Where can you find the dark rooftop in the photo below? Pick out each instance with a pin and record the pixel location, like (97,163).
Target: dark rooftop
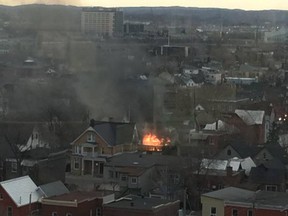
(142,203)
(79,196)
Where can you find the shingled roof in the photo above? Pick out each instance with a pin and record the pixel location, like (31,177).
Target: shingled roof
(115,133)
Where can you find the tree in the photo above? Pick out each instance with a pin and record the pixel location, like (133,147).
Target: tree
(273,136)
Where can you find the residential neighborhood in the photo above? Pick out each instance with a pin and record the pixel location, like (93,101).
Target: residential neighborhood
(159,110)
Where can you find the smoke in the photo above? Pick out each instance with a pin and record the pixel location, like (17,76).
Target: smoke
(107,80)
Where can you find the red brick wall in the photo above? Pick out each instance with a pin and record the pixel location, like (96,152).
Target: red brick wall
(17,211)
(256,212)
(83,209)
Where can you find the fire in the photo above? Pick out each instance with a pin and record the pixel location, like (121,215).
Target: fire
(152,140)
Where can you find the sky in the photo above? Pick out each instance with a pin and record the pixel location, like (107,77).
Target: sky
(231,4)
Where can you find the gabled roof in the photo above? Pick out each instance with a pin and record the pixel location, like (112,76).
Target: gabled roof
(236,164)
(21,189)
(53,189)
(244,150)
(276,151)
(115,133)
(251,117)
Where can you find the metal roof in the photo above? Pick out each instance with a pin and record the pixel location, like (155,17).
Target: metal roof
(53,189)
(22,190)
(251,117)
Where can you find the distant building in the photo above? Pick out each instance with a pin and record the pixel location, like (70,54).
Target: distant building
(134,27)
(240,80)
(174,51)
(279,35)
(102,21)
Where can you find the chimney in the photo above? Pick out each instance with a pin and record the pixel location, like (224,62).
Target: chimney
(131,204)
(229,171)
(92,123)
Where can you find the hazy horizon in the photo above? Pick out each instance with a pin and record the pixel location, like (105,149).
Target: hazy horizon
(228,4)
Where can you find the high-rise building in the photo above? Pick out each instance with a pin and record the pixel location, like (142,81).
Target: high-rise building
(102,21)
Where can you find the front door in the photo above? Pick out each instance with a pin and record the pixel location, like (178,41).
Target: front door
(87,167)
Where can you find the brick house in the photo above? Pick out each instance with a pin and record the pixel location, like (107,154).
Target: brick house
(99,141)
(19,197)
(141,206)
(239,202)
(250,123)
(76,203)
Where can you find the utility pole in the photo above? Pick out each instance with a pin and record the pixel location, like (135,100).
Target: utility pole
(184,202)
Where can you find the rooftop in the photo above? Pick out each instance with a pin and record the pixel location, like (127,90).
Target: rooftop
(78,196)
(21,190)
(142,203)
(53,189)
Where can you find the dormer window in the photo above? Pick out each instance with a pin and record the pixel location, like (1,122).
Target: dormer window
(91,137)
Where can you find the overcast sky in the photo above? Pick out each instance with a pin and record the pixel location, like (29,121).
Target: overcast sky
(232,4)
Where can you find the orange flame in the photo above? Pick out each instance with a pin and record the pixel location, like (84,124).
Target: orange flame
(152,140)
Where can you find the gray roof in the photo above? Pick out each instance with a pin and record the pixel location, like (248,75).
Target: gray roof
(251,117)
(115,133)
(53,189)
(261,199)
(144,160)
(144,203)
(232,194)
(275,199)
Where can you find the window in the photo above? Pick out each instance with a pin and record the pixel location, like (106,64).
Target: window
(134,180)
(77,149)
(123,177)
(68,214)
(271,187)
(250,212)
(54,214)
(76,163)
(264,155)
(91,137)
(14,166)
(213,211)
(98,211)
(229,152)
(9,211)
(1,196)
(234,212)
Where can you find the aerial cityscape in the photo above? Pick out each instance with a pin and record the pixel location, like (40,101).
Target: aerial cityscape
(111,109)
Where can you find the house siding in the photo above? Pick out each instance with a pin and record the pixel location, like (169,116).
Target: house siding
(82,209)
(242,211)
(17,211)
(208,203)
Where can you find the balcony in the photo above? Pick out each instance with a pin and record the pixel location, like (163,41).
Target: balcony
(90,154)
